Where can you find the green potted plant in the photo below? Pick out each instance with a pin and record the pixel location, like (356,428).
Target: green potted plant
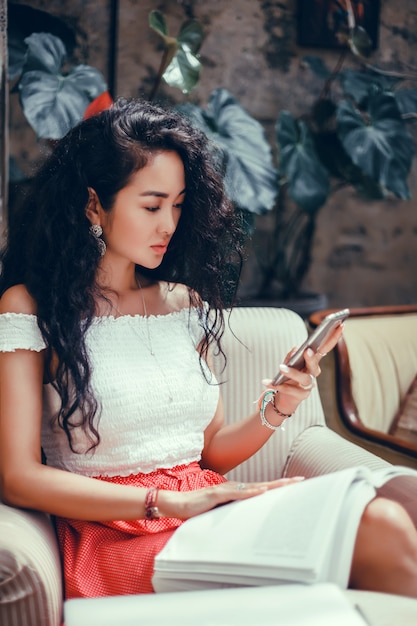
(56,94)
(355,134)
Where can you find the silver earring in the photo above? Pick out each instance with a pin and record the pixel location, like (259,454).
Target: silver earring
(97,231)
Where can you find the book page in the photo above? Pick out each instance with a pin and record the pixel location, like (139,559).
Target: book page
(283,534)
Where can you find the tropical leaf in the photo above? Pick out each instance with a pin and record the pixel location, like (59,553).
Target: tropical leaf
(184,70)
(362,85)
(16,56)
(45,53)
(380,143)
(158,22)
(22,21)
(180,66)
(191,36)
(88,80)
(52,102)
(307,178)
(334,157)
(360,42)
(407,101)
(244,153)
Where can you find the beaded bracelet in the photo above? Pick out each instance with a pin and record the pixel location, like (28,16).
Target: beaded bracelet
(151,510)
(268,397)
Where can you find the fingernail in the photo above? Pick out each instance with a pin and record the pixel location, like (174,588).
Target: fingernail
(298,478)
(284,368)
(266,381)
(309,352)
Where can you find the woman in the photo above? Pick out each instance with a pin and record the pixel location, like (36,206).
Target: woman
(113,284)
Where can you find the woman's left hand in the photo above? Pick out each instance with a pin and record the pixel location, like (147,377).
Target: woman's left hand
(299,384)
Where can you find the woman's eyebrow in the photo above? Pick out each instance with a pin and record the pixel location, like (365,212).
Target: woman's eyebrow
(159,194)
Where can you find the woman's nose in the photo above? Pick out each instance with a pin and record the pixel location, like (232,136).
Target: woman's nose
(168,222)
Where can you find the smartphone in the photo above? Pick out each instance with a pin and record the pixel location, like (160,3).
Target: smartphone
(314,341)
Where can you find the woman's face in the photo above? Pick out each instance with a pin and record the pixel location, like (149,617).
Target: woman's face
(146,212)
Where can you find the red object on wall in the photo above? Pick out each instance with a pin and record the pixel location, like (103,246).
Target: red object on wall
(102,102)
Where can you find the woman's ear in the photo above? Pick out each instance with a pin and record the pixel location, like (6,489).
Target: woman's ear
(93,207)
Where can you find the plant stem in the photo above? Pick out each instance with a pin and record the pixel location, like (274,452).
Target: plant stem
(162,67)
(333,75)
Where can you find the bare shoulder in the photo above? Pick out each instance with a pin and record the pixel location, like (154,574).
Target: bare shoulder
(177,296)
(17,299)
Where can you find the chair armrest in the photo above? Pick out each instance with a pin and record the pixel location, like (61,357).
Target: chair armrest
(30,569)
(319,450)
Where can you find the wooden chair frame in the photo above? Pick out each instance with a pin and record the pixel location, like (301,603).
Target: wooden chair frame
(346,404)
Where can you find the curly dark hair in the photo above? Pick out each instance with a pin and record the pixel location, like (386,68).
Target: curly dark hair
(51,251)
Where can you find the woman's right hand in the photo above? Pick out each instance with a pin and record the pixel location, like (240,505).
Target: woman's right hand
(185,504)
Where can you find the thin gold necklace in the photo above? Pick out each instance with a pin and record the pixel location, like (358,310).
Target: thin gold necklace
(149,335)
(145,311)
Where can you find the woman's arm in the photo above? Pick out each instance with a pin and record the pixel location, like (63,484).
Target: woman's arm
(25,482)
(226,446)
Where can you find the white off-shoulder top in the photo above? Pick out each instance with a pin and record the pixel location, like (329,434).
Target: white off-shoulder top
(154,407)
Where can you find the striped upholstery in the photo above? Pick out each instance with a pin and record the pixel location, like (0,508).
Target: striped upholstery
(30,570)
(388,366)
(320,451)
(256,342)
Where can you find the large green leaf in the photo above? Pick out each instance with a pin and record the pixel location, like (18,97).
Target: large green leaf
(250,177)
(334,157)
(181,67)
(45,53)
(185,68)
(16,56)
(54,103)
(362,85)
(407,101)
(22,21)
(158,22)
(308,180)
(360,42)
(191,35)
(380,143)
(183,71)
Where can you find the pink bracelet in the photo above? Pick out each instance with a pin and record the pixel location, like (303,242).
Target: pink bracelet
(151,510)
(268,397)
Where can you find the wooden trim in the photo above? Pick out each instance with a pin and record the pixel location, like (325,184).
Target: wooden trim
(316,318)
(345,401)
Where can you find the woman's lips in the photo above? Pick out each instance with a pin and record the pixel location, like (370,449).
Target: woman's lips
(160,248)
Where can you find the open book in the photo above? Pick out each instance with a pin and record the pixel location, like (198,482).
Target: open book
(304,532)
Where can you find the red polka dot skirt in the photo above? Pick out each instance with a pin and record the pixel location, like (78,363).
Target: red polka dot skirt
(116,558)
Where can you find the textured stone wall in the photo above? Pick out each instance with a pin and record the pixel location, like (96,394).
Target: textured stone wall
(364,253)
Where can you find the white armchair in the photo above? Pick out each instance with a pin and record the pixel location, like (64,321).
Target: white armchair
(256,341)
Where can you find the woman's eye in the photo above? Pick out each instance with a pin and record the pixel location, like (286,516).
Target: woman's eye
(152,209)
(178,206)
